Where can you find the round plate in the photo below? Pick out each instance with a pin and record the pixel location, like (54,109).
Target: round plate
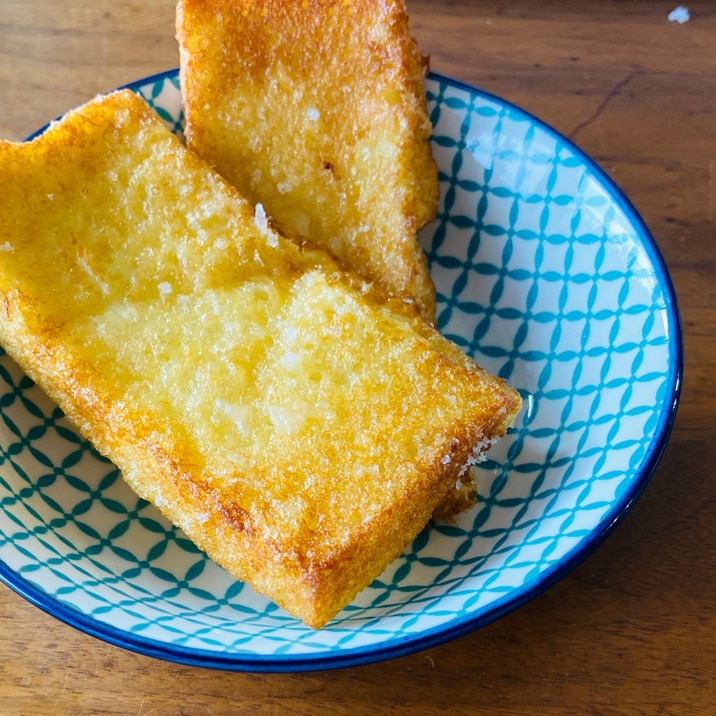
(547,276)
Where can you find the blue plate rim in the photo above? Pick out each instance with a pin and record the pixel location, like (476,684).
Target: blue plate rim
(446,632)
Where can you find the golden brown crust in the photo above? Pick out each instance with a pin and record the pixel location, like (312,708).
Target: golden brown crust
(299,424)
(317,110)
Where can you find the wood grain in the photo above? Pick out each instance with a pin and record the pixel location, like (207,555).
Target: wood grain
(633,629)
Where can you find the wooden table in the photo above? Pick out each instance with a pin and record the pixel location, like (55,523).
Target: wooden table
(633,629)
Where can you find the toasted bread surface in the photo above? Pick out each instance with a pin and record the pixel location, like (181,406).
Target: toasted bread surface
(317,110)
(297,422)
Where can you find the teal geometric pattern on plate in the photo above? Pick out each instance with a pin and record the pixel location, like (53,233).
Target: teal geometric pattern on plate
(546,276)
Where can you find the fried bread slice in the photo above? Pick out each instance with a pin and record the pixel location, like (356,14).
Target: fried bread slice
(297,422)
(317,110)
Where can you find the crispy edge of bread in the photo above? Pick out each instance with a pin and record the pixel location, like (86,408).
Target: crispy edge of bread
(327,48)
(158,463)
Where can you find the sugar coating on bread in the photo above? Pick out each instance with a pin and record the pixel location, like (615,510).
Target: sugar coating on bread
(317,110)
(297,422)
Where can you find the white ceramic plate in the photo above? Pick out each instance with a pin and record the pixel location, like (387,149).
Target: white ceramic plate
(547,276)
